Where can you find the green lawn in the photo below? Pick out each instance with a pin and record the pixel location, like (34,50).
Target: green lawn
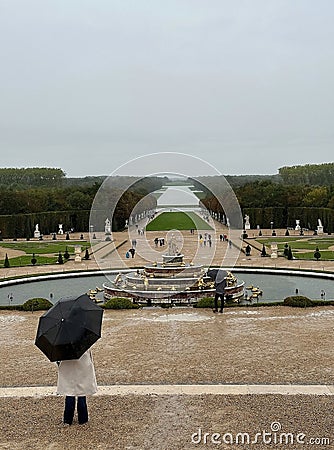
(177,221)
(299,244)
(40,247)
(20,261)
(325,255)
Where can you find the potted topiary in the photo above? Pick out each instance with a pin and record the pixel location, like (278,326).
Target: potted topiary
(66,254)
(317,254)
(60,259)
(6,263)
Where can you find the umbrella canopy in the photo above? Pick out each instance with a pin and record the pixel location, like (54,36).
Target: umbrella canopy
(217,274)
(69,328)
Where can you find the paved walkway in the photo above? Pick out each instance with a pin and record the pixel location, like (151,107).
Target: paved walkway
(108,258)
(181,389)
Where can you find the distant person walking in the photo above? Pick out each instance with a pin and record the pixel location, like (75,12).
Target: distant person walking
(76,378)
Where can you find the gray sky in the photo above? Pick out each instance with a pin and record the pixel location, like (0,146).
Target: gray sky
(88,85)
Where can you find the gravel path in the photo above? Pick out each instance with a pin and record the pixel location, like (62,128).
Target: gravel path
(187,346)
(167,422)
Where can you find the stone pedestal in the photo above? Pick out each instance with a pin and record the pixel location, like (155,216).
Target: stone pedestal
(274,251)
(77,253)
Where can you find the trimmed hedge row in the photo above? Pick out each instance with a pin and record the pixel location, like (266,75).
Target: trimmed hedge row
(286,217)
(33,304)
(23,225)
(120,303)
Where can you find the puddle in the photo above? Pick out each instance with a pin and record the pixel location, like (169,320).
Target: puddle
(183,317)
(5,320)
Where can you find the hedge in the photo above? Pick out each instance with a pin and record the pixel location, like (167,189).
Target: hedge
(283,217)
(119,303)
(298,301)
(37,304)
(23,225)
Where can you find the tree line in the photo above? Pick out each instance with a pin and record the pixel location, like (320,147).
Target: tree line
(48,205)
(309,174)
(279,202)
(21,178)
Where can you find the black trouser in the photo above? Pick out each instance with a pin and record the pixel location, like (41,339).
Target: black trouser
(217,296)
(70,407)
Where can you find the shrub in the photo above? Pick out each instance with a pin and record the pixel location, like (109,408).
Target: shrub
(36,304)
(317,254)
(263,252)
(323,302)
(11,307)
(120,303)
(86,257)
(66,255)
(33,259)
(298,301)
(6,263)
(60,259)
(205,302)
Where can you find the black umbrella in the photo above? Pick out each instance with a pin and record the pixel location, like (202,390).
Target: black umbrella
(217,274)
(69,328)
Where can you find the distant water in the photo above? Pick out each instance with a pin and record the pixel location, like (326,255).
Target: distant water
(178,196)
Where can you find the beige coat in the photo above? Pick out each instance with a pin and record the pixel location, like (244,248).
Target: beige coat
(76,377)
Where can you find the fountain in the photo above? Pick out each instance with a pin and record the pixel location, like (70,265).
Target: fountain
(171,281)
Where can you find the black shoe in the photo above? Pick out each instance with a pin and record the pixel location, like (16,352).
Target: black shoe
(221,311)
(215,310)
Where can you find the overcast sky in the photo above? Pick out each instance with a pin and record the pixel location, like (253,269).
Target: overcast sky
(86,85)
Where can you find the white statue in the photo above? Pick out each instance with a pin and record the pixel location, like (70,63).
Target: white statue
(297,227)
(107,226)
(247,224)
(320,228)
(37,233)
(60,226)
(172,247)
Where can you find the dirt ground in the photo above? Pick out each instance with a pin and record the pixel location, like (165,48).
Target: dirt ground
(177,346)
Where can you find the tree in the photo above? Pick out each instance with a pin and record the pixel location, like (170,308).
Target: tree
(6,263)
(60,259)
(66,255)
(263,252)
(317,254)
(33,259)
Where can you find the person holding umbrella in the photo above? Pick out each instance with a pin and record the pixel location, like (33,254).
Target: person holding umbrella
(76,378)
(65,334)
(219,276)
